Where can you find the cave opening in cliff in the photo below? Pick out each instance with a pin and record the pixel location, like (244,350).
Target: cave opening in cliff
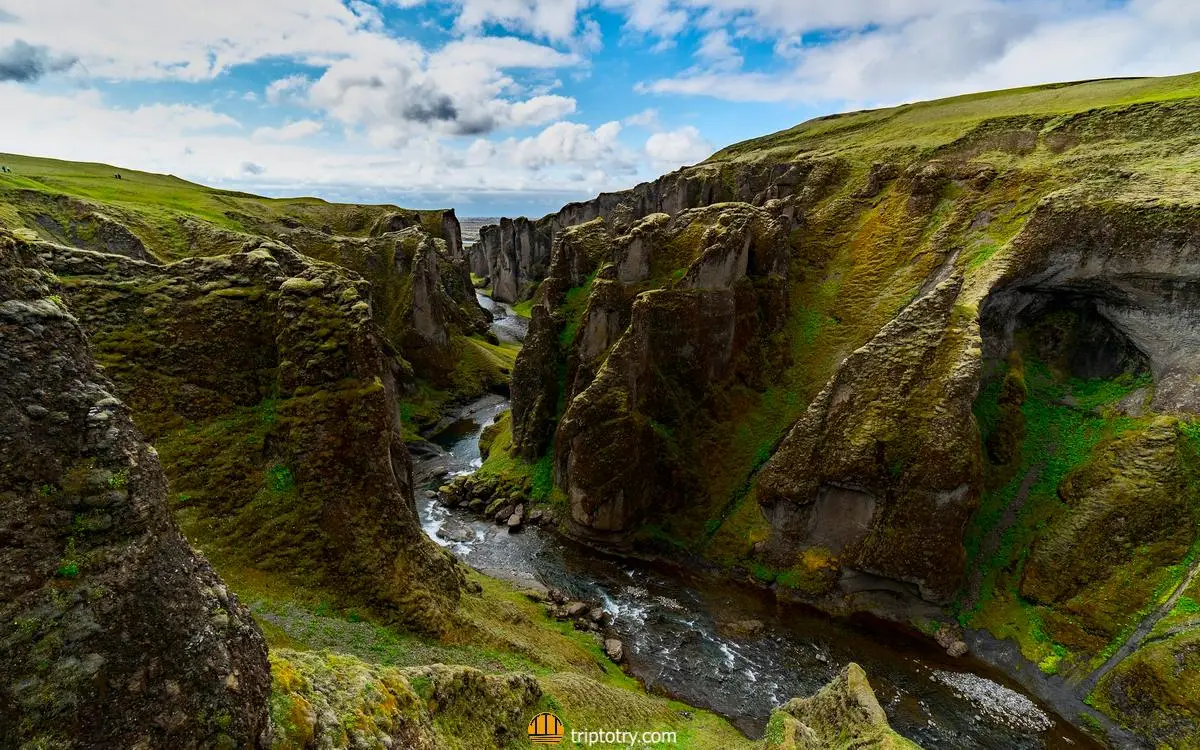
(1074,339)
(1052,350)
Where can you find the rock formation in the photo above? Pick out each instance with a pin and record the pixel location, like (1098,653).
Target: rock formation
(642,351)
(875,472)
(115,632)
(842,715)
(516,253)
(330,700)
(272,395)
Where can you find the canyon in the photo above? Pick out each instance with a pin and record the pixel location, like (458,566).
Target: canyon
(936,366)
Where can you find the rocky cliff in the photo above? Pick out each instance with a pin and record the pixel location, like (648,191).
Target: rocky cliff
(115,632)
(976,389)
(421,288)
(646,329)
(271,394)
(515,254)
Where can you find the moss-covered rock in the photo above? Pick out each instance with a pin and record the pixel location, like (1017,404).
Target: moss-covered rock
(272,396)
(329,700)
(842,715)
(632,337)
(115,632)
(1153,692)
(1132,515)
(881,471)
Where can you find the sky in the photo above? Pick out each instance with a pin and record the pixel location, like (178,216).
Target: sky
(510,107)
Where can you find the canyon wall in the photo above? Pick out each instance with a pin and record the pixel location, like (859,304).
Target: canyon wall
(971,399)
(116,632)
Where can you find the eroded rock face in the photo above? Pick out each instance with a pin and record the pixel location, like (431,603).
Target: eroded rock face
(637,366)
(420,290)
(516,253)
(81,224)
(882,472)
(271,393)
(842,715)
(1138,265)
(115,632)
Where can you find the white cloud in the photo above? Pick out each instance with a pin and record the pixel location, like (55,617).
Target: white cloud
(551,19)
(895,52)
(293,131)
(288,89)
(540,110)
(717,49)
(176,39)
(566,160)
(678,148)
(569,143)
(647,118)
(462,89)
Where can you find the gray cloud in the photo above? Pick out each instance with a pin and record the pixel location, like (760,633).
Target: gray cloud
(424,104)
(404,100)
(25,63)
(252,168)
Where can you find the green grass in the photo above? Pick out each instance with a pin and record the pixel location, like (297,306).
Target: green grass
(153,206)
(497,631)
(1057,439)
(524,309)
(928,125)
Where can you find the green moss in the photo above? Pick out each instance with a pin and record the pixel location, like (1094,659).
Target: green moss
(525,309)
(572,309)
(1041,430)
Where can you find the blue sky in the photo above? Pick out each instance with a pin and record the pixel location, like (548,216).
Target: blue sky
(515,106)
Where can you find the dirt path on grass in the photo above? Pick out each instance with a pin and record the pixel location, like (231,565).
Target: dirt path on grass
(1138,637)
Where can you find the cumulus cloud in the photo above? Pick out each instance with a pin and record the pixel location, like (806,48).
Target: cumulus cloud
(552,19)
(569,143)
(292,131)
(289,89)
(456,91)
(25,63)
(570,162)
(885,53)
(677,148)
(717,49)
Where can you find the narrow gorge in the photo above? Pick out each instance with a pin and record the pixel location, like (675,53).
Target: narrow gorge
(881,432)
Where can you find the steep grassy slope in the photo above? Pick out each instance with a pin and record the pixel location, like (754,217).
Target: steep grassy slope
(1036,248)
(173,218)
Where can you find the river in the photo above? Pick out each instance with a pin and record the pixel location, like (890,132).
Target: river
(674,624)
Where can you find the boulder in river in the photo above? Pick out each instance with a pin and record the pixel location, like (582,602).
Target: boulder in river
(576,609)
(950,638)
(516,518)
(614,649)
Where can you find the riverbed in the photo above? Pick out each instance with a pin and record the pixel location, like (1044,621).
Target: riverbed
(684,631)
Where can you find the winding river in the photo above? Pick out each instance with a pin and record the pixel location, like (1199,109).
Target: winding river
(675,625)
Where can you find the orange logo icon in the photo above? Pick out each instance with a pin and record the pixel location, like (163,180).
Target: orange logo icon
(546,729)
